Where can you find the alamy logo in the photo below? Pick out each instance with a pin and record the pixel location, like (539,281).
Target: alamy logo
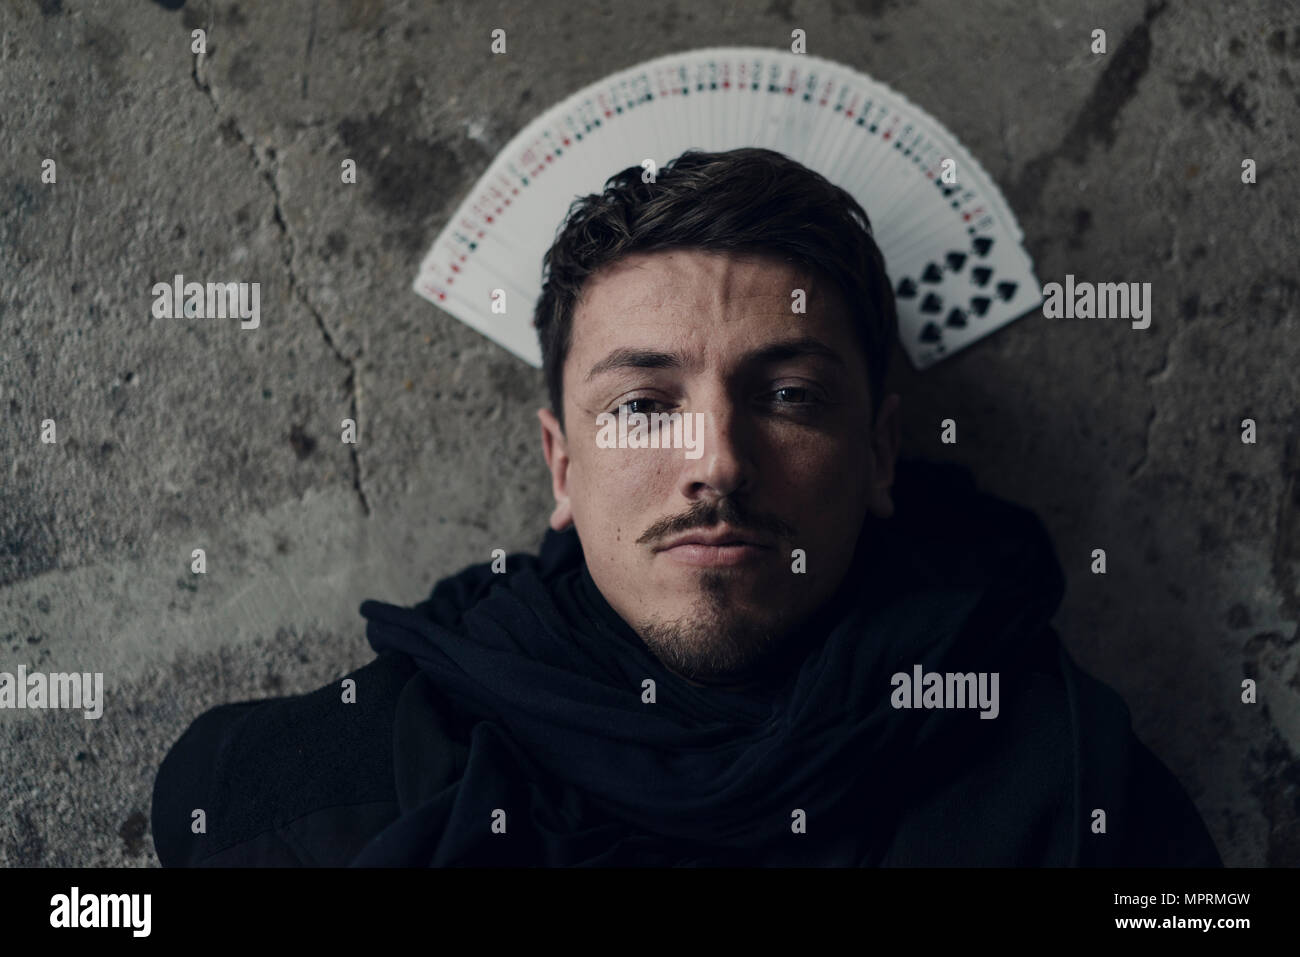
(654,430)
(102,910)
(56,690)
(1104,300)
(214,300)
(933,689)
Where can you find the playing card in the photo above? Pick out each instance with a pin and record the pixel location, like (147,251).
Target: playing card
(952,250)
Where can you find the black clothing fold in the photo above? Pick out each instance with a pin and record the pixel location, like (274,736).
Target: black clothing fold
(520,735)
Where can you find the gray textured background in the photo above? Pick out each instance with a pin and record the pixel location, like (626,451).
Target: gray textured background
(175,435)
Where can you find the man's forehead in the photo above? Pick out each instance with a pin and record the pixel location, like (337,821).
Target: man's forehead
(669,277)
(689,294)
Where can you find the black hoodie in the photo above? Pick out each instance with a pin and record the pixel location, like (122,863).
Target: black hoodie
(507,721)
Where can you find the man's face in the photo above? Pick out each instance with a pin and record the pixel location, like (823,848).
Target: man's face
(790,459)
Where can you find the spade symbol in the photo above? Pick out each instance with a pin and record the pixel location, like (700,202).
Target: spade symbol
(931,303)
(980,305)
(983,244)
(932,273)
(981,275)
(931,333)
(906,289)
(956,261)
(956,319)
(1006,290)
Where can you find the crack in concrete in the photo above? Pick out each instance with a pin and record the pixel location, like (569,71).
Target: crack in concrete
(1097,118)
(1158,374)
(1141,463)
(1163,372)
(1155,375)
(269,169)
(1286,545)
(311,38)
(1173,243)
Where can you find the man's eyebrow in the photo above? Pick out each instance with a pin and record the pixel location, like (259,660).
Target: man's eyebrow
(635,359)
(628,358)
(794,349)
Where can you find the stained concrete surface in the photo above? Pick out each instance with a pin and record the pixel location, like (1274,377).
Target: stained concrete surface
(1121,167)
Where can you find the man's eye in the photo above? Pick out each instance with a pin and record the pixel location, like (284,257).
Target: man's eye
(792,395)
(630,404)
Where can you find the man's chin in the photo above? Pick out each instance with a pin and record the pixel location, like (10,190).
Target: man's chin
(751,590)
(711,648)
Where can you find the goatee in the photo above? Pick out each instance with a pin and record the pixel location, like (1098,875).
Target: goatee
(715,643)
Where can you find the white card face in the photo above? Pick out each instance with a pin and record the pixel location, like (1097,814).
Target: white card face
(963,295)
(952,249)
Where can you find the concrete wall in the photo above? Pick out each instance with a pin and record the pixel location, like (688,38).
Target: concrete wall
(171,436)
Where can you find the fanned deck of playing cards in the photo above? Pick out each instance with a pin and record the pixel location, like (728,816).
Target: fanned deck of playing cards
(952,249)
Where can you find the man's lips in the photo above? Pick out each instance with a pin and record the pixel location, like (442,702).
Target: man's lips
(713,548)
(713,538)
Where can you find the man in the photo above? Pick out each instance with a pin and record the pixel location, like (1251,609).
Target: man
(748,638)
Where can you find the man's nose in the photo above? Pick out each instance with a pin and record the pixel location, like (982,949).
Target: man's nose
(725,464)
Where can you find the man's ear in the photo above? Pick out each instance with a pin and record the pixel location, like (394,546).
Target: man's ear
(557,460)
(886,439)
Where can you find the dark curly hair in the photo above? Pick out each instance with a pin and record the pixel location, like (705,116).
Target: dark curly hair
(747,199)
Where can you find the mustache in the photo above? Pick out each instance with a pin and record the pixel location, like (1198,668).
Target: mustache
(709,514)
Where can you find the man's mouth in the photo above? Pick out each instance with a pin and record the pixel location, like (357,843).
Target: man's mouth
(713,547)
